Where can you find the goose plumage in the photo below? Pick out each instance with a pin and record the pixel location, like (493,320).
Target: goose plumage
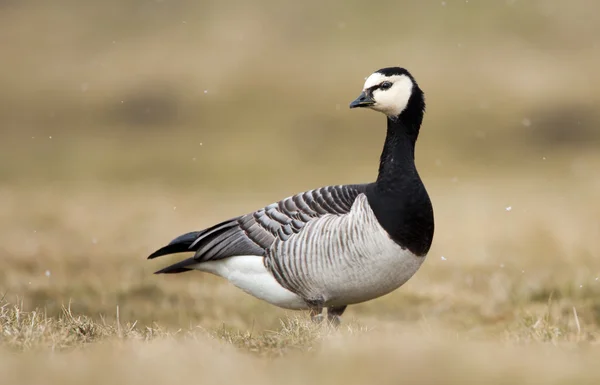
(337,245)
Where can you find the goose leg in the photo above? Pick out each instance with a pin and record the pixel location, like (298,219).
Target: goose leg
(334,315)
(316,309)
(316,315)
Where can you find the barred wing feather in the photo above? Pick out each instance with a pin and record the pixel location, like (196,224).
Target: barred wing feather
(255,233)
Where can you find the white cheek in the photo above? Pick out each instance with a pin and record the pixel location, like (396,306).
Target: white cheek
(394,100)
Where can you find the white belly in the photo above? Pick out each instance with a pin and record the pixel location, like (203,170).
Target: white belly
(248,273)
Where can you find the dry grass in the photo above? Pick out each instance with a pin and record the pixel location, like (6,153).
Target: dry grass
(298,353)
(513,301)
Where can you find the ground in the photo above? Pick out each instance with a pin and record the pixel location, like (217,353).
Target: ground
(508,291)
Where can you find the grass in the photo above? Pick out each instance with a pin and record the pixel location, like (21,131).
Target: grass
(514,300)
(69,349)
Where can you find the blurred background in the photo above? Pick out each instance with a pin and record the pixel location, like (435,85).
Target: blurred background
(126,123)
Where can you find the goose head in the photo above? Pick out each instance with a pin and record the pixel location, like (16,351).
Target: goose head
(390,91)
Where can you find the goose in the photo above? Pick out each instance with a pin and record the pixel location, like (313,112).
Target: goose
(337,245)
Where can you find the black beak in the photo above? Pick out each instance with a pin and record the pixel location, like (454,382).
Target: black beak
(363,100)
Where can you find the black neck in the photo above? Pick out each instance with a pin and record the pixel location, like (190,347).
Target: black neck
(397,161)
(398,197)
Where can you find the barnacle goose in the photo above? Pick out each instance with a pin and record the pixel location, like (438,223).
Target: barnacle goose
(336,245)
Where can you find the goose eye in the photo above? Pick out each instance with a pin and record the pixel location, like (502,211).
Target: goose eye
(385,85)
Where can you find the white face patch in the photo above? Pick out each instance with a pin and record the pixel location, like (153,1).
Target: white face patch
(393,100)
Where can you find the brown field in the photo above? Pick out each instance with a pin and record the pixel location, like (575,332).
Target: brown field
(126,123)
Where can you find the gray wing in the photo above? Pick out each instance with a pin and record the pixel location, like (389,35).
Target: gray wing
(255,233)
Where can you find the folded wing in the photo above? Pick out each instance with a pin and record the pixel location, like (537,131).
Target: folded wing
(254,233)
